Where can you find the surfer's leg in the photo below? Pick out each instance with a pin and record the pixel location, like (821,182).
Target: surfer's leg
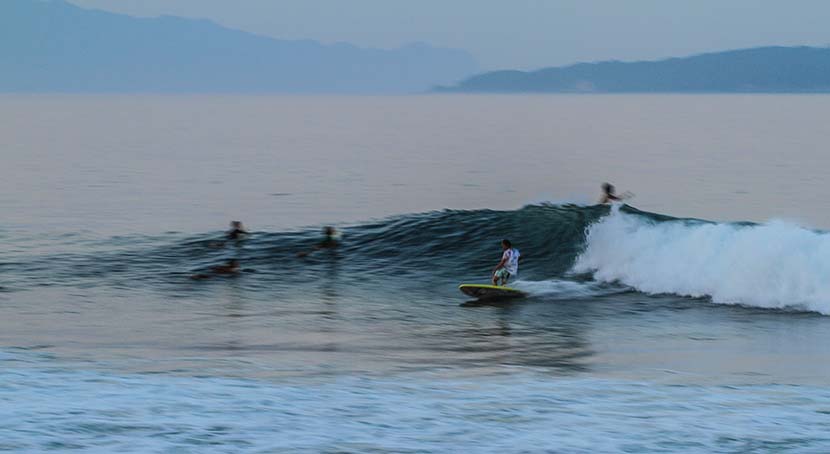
(497,276)
(500,274)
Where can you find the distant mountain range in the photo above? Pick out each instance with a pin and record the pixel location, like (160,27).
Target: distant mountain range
(53,46)
(763,69)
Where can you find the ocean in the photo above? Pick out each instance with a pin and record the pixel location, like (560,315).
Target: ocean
(691,318)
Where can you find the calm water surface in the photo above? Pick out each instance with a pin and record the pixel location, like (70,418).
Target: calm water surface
(692,320)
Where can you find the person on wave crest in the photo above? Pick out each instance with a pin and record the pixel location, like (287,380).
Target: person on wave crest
(609,194)
(508,266)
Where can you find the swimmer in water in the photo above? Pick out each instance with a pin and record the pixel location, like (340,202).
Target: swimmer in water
(329,241)
(609,194)
(237,231)
(230,268)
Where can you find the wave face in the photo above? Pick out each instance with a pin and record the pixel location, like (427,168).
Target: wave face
(447,246)
(773,265)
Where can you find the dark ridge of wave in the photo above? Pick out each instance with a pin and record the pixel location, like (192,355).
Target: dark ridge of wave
(452,244)
(549,237)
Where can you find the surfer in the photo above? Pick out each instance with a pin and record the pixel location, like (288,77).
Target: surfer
(230,268)
(508,266)
(237,231)
(609,194)
(329,241)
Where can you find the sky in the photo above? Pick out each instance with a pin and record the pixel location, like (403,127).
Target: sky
(517,34)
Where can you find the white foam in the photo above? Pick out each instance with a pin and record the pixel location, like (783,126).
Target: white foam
(773,265)
(563,288)
(57,409)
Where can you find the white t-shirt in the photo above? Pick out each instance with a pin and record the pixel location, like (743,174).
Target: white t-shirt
(511,261)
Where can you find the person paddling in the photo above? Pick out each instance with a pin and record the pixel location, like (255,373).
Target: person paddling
(329,241)
(229,269)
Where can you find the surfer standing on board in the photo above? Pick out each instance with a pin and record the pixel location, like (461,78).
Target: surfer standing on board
(609,194)
(508,266)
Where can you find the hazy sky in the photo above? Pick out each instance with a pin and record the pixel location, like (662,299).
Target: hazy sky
(518,33)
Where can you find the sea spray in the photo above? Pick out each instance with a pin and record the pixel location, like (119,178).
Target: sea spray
(772,265)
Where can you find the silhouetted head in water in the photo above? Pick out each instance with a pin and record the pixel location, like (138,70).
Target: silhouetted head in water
(237,231)
(506,244)
(608,189)
(329,237)
(329,241)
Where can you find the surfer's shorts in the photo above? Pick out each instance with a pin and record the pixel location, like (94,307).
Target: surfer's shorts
(502,273)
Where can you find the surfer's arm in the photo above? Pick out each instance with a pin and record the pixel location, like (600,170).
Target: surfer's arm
(500,265)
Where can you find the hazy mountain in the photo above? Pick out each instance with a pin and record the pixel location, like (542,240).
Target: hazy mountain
(763,69)
(51,45)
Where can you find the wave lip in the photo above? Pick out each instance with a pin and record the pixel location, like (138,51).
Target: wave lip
(772,265)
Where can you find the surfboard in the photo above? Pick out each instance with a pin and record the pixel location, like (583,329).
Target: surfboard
(490,292)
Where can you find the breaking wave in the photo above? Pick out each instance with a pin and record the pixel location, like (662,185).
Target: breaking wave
(568,251)
(772,265)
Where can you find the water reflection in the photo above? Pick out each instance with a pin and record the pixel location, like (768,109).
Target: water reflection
(535,332)
(329,282)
